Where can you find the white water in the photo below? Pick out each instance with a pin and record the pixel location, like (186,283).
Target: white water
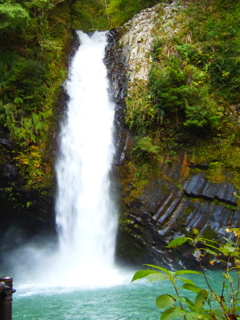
(86,215)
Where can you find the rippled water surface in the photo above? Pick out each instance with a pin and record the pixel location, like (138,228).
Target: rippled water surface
(133,301)
(126,301)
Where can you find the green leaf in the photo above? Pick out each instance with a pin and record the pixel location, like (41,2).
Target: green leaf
(157,277)
(183,300)
(192,288)
(142,274)
(18,100)
(215,248)
(186,280)
(206,241)
(178,242)
(28,204)
(188,302)
(195,231)
(200,299)
(229,241)
(194,316)
(165,301)
(187,272)
(172,313)
(160,268)
(209,251)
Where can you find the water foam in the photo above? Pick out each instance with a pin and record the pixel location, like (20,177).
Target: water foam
(86,215)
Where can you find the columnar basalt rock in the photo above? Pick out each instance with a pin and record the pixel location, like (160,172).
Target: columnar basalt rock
(170,205)
(163,212)
(117,80)
(139,35)
(137,44)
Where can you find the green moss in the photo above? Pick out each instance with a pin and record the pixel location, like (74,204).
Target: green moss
(187,210)
(209,233)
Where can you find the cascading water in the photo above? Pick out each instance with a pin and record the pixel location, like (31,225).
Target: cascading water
(85,213)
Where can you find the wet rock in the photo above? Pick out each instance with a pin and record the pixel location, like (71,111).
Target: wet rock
(164,212)
(9,171)
(117,79)
(229,195)
(6,142)
(199,187)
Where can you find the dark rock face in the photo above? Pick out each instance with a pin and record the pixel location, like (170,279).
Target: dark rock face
(117,79)
(169,206)
(116,75)
(199,187)
(164,212)
(23,214)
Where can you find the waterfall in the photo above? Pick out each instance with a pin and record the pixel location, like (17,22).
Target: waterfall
(86,216)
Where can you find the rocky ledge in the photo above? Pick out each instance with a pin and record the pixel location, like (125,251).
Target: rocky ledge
(164,212)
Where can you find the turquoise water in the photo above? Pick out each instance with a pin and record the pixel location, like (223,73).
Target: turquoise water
(127,301)
(133,301)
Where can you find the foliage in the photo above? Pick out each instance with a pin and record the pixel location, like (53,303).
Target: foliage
(191,101)
(31,162)
(90,15)
(194,75)
(207,303)
(222,155)
(218,34)
(120,11)
(146,148)
(134,181)
(13,16)
(140,113)
(181,85)
(34,35)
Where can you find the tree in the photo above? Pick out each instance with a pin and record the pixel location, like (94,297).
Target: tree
(13,16)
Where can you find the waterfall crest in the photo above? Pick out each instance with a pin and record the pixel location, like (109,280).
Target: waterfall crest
(86,216)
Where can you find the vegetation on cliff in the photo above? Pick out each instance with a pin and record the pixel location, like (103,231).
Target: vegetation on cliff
(191,103)
(35,40)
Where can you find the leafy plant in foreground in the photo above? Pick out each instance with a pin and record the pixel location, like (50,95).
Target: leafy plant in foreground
(207,303)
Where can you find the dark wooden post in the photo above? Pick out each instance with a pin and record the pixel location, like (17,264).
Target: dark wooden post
(6,291)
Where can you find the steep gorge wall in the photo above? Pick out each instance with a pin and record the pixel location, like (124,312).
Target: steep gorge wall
(173,201)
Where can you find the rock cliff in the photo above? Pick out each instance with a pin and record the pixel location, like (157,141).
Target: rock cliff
(174,199)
